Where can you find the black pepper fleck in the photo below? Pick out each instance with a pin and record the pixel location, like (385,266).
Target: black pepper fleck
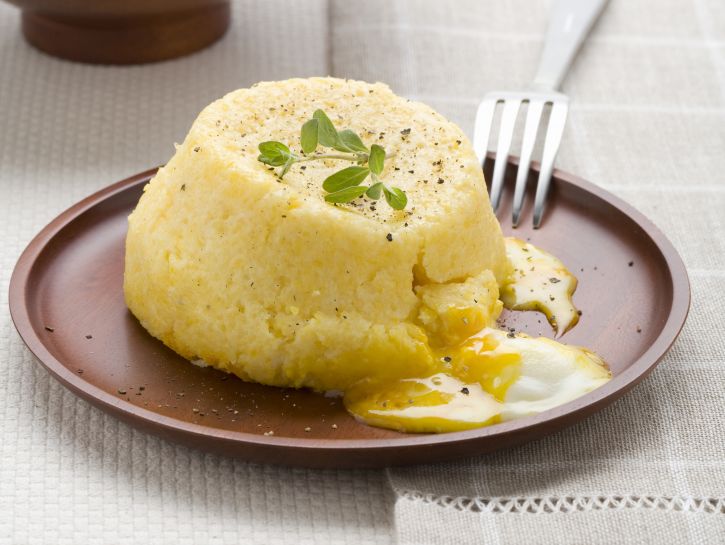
(389,236)
(464,391)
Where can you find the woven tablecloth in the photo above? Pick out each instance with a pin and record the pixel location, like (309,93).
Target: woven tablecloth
(647,122)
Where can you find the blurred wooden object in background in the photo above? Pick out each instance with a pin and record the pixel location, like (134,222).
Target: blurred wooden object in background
(123,31)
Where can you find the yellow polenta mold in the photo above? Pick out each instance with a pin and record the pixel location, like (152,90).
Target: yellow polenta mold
(266,280)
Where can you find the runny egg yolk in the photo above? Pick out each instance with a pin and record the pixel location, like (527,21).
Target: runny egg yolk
(492,375)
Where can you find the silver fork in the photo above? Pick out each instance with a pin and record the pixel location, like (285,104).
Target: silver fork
(571,21)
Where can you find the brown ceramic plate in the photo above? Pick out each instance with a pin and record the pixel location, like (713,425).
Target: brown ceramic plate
(67,303)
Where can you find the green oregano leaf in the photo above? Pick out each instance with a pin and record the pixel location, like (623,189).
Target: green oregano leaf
(327,134)
(395,197)
(352,141)
(274,153)
(376,161)
(374,191)
(308,136)
(346,195)
(347,177)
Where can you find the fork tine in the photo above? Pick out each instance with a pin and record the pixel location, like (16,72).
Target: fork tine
(554,132)
(482,128)
(533,118)
(508,121)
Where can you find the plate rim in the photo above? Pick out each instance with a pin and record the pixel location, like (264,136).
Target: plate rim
(150,420)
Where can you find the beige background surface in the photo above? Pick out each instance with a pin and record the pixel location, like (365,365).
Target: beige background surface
(647,122)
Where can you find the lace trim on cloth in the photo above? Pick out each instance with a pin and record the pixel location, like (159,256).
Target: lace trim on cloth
(568,504)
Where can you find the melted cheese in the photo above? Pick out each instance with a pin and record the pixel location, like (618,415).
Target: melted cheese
(492,377)
(437,403)
(484,375)
(540,282)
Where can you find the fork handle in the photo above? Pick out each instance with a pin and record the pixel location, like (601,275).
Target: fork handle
(571,21)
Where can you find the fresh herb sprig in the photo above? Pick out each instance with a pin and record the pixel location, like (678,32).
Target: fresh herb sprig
(344,185)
